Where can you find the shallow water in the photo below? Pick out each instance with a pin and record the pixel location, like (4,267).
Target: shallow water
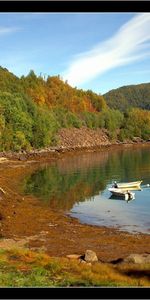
(79,186)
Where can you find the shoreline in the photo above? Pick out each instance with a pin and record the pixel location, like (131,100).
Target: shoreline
(56,152)
(25,218)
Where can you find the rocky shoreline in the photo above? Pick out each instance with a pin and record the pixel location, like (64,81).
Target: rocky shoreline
(71,141)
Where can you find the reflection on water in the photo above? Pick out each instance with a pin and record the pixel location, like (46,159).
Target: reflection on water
(113,197)
(70,180)
(80,185)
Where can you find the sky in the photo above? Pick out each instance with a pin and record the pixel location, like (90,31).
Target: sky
(96,51)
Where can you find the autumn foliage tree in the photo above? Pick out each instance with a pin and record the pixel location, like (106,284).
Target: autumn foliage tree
(33,109)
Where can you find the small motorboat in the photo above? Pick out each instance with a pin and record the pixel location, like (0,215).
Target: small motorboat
(122,193)
(126,185)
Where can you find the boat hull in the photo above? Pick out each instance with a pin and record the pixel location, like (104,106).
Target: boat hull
(130,185)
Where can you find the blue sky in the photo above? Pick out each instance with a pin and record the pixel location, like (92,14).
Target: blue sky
(97,51)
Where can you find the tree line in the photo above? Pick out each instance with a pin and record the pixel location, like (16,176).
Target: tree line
(32,110)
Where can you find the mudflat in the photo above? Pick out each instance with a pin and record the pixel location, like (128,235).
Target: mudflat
(27,222)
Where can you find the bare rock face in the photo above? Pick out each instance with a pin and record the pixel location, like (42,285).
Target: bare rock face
(138,258)
(90,256)
(82,137)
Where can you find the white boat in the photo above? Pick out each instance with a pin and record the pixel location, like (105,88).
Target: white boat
(126,185)
(121,193)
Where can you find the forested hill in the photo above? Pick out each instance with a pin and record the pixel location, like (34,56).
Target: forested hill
(129,96)
(34,109)
(52,92)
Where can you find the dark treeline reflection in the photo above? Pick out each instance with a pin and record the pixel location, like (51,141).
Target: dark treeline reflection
(79,178)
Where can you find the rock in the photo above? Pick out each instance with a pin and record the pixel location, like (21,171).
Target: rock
(137,139)
(90,256)
(83,261)
(22,158)
(3,159)
(2,191)
(137,258)
(73,256)
(86,263)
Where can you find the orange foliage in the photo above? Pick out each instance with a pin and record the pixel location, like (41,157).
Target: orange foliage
(54,92)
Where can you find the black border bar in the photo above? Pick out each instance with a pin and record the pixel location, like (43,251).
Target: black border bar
(74,6)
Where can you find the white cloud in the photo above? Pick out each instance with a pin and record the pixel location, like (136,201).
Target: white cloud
(126,46)
(6,30)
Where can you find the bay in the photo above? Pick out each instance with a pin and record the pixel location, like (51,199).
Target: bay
(78,185)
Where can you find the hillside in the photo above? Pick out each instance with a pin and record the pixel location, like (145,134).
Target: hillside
(33,110)
(129,96)
(9,82)
(55,93)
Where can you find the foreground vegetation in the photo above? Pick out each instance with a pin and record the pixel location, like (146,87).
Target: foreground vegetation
(24,268)
(33,109)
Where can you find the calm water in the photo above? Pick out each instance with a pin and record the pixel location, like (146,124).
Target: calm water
(79,185)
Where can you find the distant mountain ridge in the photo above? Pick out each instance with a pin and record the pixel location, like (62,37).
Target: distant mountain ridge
(129,96)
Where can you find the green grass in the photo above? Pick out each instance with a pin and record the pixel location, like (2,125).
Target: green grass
(24,268)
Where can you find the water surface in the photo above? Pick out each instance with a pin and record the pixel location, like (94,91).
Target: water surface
(79,185)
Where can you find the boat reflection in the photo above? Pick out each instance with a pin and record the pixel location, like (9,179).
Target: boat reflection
(114,197)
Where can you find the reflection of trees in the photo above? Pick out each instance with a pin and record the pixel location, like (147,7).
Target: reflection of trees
(82,177)
(63,190)
(82,161)
(131,163)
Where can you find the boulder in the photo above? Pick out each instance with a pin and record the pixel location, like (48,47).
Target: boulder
(90,256)
(85,262)
(73,256)
(22,158)
(137,258)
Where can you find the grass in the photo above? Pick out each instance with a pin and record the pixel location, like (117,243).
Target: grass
(25,268)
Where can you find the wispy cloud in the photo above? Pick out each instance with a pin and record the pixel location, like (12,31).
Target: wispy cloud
(129,44)
(6,30)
